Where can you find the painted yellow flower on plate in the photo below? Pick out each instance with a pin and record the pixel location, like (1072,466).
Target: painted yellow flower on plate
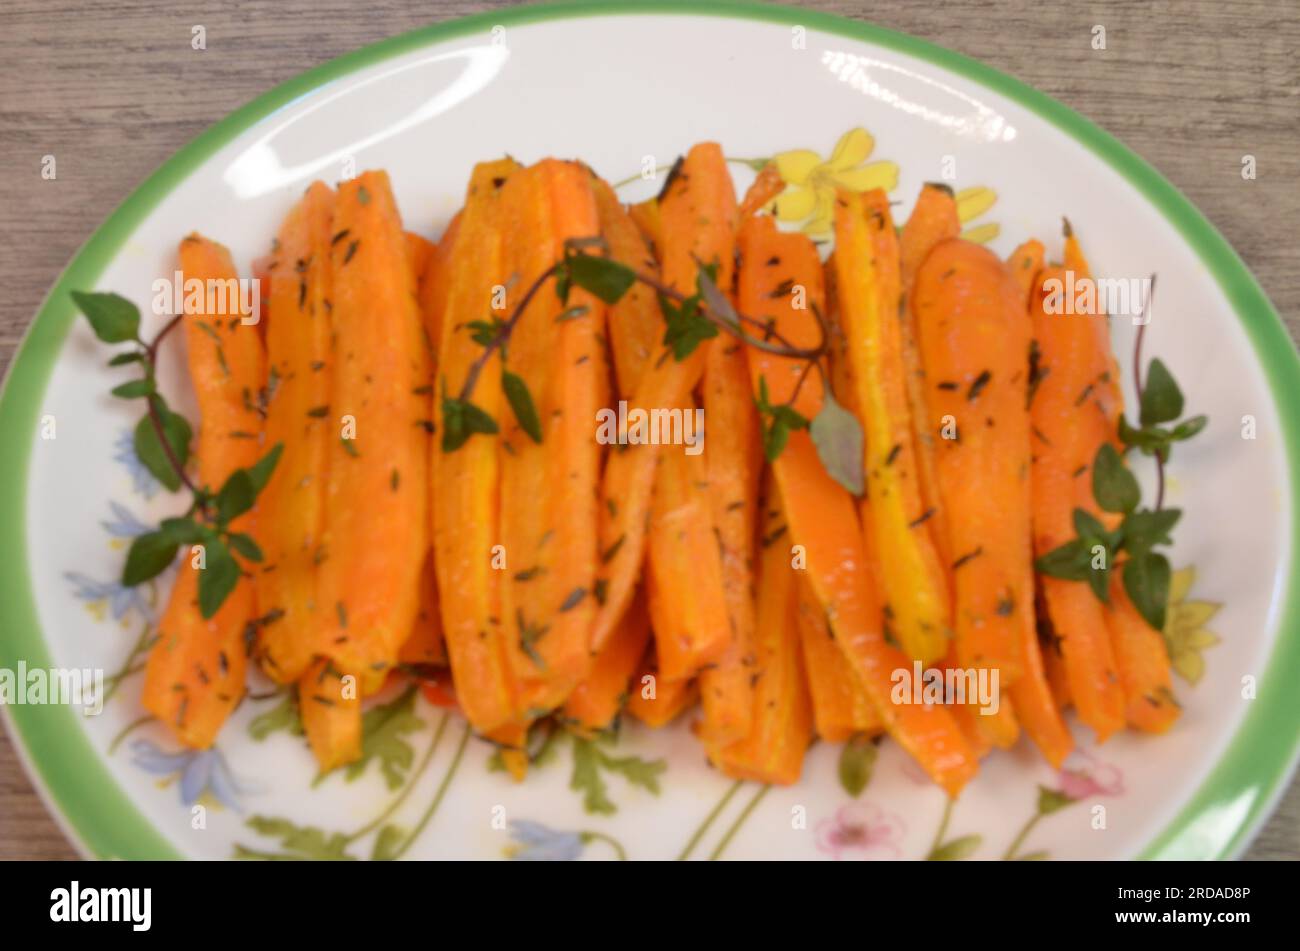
(811,181)
(1185,632)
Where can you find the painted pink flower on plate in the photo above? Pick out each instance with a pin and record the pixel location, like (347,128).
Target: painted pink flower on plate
(859,831)
(1083,776)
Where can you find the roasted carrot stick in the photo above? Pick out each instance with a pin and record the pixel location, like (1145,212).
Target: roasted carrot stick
(974,344)
(549,489)
(822,515)
(376,509)
(697,214)
(635,324)
(425,645)
(913,579)
(1025,263)
(434,281)
(774,748)
(194,676)
(656,702)
(299,358)
(933,219)
(763,189)
(687,609)
(597,700)
(840,706)
(331,715)
(1143,661)
(419,251)
(645,215)
(1073,414)
(465,512)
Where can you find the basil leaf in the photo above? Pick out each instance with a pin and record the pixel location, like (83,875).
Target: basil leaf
(1069,562)
(1189,428)
(217,579)
(260,472)
(521,404)
(149,448)
(245,546)
(122,359)
(838,437)
(235,497)
(462,419)
(1146,580)
(606,278)
(113,318)
(1144,529)
(133,389)
(1087,525)
(1114,487)
(1162,401)
(149,556)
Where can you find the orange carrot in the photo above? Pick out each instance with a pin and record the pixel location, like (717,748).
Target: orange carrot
(419,252)
(933,219)
(688,612)
(913,579)
(548,498)
(840,706)
(656,702)
(434,282)
(697,215)
(331,715)
(597,700)
(774,748)
(424,646)
(767,186)
(1143,664)
(1073,413)
(822,516)
(299,360)
(194,677)
(635,324)
(1025,263)
(973,340)
(465,512)
(645,215)
(376,508)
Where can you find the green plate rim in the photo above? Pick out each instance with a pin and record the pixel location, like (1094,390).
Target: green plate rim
(103,822)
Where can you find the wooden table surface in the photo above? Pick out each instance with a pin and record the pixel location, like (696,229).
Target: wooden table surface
(113,91)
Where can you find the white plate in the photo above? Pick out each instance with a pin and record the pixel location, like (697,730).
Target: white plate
(613,87)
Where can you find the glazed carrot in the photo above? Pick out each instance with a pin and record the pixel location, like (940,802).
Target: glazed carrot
(656,702)
(763,189)
(822,515)
(194,676)
(419,251)
(597,700)
(549,501)
(773,750)
(733,459)
(465,513)
(645,215)
(973,341)
(331,715)
(376,508)
(913,578)
(434,281)
(424,646)
(299,362)
(687,609)
(933,219)
(635,324)
(1143,661)
(1073,413)
(1025,263)
(697,215)
(840,706)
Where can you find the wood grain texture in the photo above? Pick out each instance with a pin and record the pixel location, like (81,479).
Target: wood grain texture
(113,91)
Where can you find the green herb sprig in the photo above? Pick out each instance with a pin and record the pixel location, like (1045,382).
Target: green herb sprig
(162,443)
(689,320)
(1132,546)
